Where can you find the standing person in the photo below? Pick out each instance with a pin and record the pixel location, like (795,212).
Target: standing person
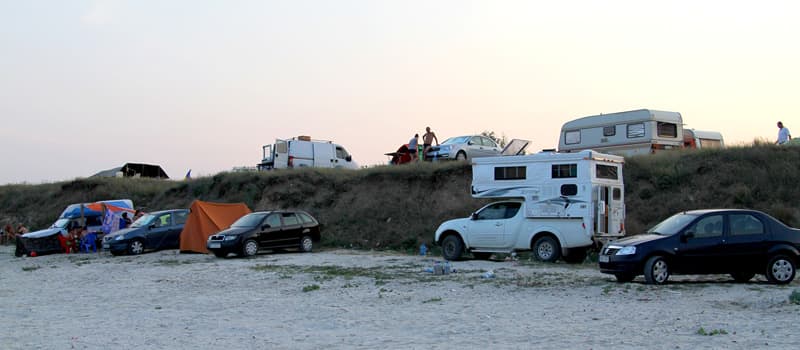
(412,147)
(783,134)
(21,229)
(427,139)
(124,221)
(137,215)
(8,233)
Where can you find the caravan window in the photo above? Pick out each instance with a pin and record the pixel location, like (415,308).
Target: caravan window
(561,171)
(606,172)
(509,173)
(667,129)
(609,130)
(569,190)
(572,137)
(635,130)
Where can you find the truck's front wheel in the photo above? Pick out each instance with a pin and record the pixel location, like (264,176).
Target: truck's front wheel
(547,249)
(452,247)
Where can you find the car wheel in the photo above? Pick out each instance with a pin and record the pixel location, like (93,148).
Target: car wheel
(482,255)
(136,247)
(452,247)
(742,277)
(575,256)
(547,249)
(461,155)
(656,270)
(220,254)
(249,248)
(624,277)
(306,244)
(780,269)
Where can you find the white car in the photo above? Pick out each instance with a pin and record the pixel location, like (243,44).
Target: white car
(464,148)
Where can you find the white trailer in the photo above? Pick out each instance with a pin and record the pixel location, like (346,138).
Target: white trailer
(557,205)
(302,151)
(702,139)
(628,133)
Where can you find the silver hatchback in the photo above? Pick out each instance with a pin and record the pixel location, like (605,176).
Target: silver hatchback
(464,147)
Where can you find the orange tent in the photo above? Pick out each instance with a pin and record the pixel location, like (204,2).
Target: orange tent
(206,219)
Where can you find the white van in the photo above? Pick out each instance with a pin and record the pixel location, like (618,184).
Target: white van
(302,151)
(642,131)
(557,205)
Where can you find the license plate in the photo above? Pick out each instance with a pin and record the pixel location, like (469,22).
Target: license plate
(106,246)
(214,245)
(603,258)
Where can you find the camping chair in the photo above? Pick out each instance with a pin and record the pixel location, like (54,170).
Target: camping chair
(89,241)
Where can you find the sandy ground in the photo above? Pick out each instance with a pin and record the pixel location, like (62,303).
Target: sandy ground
(369,300)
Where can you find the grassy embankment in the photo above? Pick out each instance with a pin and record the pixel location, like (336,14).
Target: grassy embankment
(398,207)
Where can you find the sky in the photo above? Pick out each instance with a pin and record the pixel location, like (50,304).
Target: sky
(195,84)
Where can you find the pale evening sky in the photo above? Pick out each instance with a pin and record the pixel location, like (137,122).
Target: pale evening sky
(90,85)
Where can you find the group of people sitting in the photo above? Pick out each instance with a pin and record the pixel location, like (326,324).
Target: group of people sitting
(76,238)
(9,235)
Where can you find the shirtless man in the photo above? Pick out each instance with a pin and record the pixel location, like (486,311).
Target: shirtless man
(426,141)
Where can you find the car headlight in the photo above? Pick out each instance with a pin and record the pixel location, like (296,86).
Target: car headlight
(229,238)
(119,237)
(626,250)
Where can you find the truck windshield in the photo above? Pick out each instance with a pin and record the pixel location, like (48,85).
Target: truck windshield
(672,225)
(61,223)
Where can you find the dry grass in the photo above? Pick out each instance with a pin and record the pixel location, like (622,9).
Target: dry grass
(399,207)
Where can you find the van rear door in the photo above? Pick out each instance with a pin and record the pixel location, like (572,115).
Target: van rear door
(280,154)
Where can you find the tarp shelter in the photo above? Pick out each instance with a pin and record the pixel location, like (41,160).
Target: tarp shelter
(206,219)
(135,170)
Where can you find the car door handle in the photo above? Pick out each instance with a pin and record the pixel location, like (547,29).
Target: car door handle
(498,224)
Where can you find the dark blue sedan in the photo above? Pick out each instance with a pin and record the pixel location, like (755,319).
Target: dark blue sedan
(741,243)
(156,230)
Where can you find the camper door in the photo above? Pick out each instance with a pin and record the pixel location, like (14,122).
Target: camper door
(609,210)
(280,154)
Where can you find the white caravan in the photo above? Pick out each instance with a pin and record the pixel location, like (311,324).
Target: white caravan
(302,151)
(629,133)
(557,205)
(702,139)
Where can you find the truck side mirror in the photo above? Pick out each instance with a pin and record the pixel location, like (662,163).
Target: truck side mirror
(474,216)
(348,158)
(265,226)
(686,235)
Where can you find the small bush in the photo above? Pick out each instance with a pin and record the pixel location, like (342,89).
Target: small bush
(310,288)
(794,298)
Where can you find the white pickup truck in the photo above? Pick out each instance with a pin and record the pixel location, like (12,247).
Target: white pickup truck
(556,204)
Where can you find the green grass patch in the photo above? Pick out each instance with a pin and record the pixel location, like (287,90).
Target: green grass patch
(310,288)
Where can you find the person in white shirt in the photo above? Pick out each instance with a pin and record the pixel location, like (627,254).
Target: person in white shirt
(783,134)
(412,147)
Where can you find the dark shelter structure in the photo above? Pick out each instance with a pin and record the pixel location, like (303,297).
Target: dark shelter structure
(135,170)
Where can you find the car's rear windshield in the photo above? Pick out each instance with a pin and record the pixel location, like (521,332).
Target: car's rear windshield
(452,140)
(250,220)
(672,225)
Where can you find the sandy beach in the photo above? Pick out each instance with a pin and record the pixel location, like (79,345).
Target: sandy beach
(367,300)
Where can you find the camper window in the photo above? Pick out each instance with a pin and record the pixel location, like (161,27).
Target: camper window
(569,190)
(667,129)
(617,194)
(509,173)
(606,172)
(635,130)
(561,171)
(572,137)
(610,130)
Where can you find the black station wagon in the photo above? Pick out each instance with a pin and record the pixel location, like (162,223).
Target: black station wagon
(266,230)
(741,243)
